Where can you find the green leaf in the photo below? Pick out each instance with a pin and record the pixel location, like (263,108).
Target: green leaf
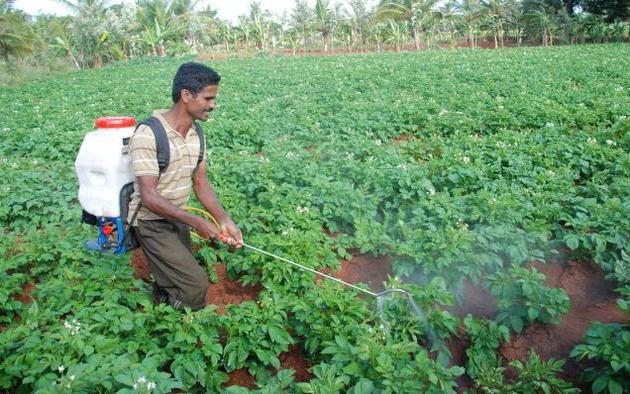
(124,379)
(88,350)
(614,387)
(517,323)
(572,241)
(600,384)
(532,313)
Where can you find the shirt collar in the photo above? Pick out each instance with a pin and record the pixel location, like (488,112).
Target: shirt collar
(169,129)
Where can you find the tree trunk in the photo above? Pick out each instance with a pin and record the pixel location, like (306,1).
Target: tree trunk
(416,38)
(332,43)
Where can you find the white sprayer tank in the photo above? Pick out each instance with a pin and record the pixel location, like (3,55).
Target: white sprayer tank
(103,165)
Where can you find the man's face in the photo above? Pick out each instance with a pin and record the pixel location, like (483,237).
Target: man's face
(202,104)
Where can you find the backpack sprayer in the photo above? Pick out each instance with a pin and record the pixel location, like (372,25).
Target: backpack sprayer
(106,178)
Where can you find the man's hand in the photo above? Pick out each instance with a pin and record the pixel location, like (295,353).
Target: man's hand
(234,237)
(209,231)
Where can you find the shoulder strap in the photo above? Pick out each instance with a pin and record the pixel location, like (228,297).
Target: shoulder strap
(162,150)
(202,143)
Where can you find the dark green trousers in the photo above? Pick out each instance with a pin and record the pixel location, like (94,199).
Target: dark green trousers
(168,249)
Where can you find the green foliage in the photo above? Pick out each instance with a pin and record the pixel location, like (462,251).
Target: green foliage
(485,338)
(534,376)
(523,298)
(610,345)
(537,376)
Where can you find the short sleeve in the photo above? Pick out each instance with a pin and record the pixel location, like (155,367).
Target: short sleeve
(143,152)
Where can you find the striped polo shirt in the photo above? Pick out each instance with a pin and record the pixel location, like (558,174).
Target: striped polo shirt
(176,181)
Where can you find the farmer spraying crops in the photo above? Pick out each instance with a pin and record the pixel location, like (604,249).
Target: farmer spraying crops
(162,184)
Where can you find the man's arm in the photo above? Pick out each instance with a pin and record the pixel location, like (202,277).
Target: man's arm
(156,203)
(208,198)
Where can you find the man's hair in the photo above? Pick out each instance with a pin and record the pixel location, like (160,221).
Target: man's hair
(193,77)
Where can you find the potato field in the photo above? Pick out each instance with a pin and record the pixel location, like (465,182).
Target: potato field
(493,185)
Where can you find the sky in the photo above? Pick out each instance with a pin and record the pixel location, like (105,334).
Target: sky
(227,9)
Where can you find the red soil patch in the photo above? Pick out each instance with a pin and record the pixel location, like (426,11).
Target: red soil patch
(457,345)
(226,291)
(25,297)
(241,377)
(592,299)
(140,266)
(364,268)
(223,293)
(401,139)
(475,300)
(294,359)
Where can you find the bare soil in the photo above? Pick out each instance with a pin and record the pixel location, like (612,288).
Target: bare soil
(241,377)
(364,268)
(140,266)
(294,359)
(475,300)
(592,299)
(25,297)
(226,292)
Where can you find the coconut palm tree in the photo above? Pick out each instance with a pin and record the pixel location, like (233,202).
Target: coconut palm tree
(469,13)
(419,14)
(16,36)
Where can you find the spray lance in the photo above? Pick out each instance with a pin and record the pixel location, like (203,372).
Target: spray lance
(410,301)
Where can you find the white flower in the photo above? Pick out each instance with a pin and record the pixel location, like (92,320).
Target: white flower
(73,326)
(61,368)
(402,166)
(619,89)
(135,386)
(611,142)
(591,140)
(378,142)
(6,129)
(72,377)
(443,111)
(301,210)
(142,380)
(431,192)
(549,124)
(550,173)
(151,386)
(466,159)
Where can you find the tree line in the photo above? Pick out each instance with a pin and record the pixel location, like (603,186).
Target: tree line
(98,32)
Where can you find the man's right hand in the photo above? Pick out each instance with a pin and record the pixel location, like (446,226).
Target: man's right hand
(209,231)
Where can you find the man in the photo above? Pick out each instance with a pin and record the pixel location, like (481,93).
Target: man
(162,225)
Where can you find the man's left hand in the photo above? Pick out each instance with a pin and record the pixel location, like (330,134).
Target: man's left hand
(233,233)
